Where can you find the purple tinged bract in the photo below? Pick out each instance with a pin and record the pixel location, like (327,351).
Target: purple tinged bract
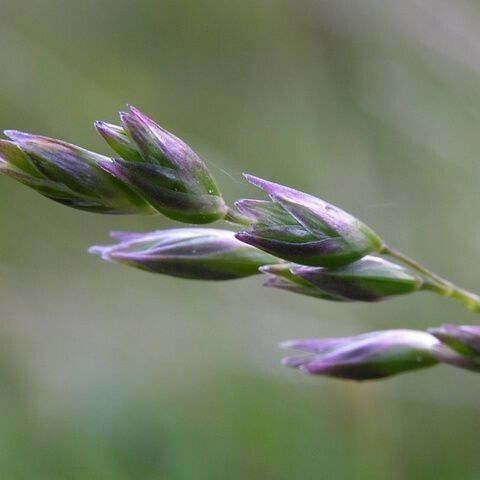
(118,140)
(162,169)
(281,276)
(303,229)
(195,253)
(464,339)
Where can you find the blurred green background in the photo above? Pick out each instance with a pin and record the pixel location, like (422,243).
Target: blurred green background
(111,373)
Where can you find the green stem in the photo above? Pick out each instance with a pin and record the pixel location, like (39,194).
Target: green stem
(438,284)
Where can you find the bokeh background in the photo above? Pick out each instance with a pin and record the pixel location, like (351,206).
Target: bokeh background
(111,373)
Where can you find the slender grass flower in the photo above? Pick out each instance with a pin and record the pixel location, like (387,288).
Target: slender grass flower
(385,353)
(196,253)
(162,169)
(67,174)
(365,357)
(303,229)
(369,279)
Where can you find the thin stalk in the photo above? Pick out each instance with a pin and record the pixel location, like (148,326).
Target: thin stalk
(440,285)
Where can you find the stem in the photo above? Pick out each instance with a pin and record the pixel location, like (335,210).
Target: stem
(438,284)
(236,218)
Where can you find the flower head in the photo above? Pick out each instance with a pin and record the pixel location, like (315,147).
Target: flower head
(365,357)
(162,169)
(67,174)
(196,253)
(303,229)
(369,279)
